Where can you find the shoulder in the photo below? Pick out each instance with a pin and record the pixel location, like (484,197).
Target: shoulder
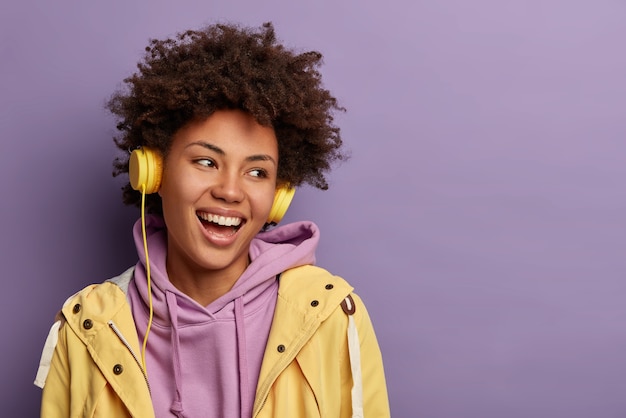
(123,280)
(99,299)
(85,313)
(308,277)
(314,290)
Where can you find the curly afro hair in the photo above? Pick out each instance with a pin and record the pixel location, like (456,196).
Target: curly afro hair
(196,73)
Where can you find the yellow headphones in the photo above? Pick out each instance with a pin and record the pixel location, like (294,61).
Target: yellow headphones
(146,169)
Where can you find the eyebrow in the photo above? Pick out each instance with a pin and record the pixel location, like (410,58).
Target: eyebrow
(218,150)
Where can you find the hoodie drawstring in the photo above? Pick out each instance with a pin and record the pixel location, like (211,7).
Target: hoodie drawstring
(172,306)
(246,404)
(242,356)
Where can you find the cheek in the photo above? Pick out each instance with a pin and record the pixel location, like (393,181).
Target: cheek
(180,182)
(265,200)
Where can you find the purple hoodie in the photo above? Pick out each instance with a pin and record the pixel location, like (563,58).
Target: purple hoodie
(205,360)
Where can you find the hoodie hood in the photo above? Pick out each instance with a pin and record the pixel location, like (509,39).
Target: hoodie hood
(271,253)
(199,357)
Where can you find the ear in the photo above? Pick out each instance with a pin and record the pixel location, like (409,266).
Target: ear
(145,168)
(282,200)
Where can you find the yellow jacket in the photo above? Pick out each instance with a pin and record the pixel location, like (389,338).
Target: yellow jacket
(307,369)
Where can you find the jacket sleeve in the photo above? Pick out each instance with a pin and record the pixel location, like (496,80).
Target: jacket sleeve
(375,398)
(55,401)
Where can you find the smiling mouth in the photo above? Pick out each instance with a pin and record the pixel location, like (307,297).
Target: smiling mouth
(220,225)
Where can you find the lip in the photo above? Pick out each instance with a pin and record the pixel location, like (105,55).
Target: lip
(219,240)
(229,213)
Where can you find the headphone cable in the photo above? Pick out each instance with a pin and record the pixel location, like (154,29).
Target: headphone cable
(150,307)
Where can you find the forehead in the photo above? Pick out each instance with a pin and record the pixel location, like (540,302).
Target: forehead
(232,131)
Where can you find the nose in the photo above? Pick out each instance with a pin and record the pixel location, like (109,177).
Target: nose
(228,188)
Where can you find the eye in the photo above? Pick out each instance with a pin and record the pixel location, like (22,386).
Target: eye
(257,172)
(205,162)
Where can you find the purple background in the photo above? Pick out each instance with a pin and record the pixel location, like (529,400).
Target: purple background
(481,216)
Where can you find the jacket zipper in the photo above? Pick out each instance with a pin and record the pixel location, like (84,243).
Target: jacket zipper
(125,342)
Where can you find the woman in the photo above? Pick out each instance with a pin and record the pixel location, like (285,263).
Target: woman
(222,316)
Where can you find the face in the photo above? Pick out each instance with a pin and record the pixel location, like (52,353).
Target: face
(218,186)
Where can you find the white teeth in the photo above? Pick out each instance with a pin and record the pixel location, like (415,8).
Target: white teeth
(220,220)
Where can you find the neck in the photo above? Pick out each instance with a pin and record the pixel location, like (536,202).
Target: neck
(203,286)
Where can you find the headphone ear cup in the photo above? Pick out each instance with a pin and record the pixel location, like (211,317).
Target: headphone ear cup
(282,200)
(145,167)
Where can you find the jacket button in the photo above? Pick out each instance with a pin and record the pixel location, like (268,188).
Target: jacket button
(329,286)
(281,348)
(87,324)
(118,369)
(76,308)
(314,303)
